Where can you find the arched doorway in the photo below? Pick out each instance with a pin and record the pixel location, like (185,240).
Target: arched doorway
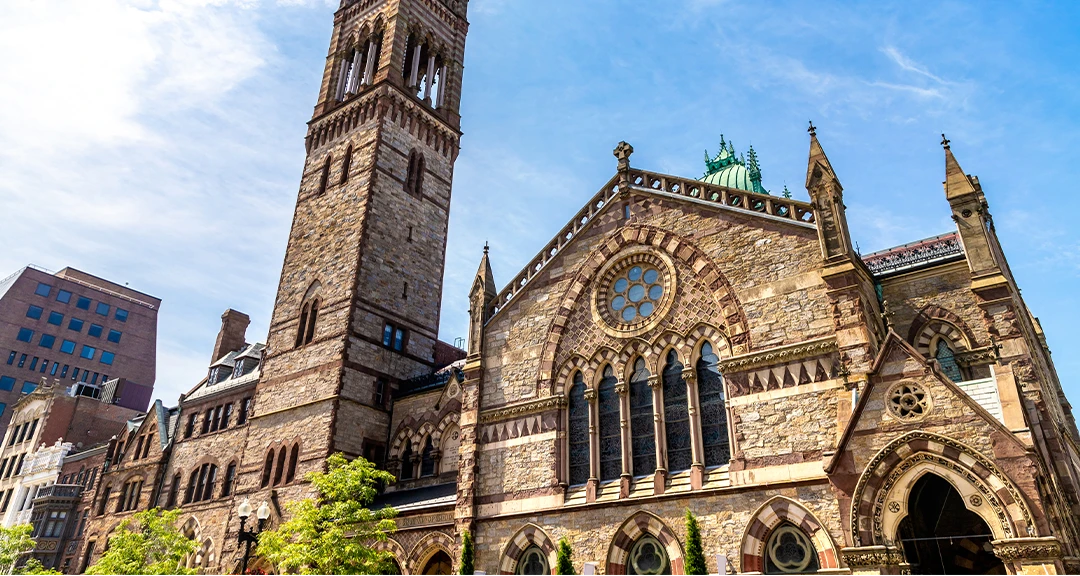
(941,536)
(439,563)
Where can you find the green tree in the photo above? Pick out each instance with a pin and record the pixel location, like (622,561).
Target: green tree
(466,554)
(565,564)
(147,543)
(695,558)
(333,533)
(15,542)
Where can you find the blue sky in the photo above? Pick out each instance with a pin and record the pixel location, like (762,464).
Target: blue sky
(160,142)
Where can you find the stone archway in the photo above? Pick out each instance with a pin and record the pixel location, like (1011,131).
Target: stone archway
(438,562)
(639,525)
(774,513)
(530,535)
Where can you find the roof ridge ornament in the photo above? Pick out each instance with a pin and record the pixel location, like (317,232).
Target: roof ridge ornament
(813,130)
(944,142)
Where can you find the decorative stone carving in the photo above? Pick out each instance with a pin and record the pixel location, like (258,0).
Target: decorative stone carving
(523,409)
(908,401)
(783,354)
(1027,549)
(872,556)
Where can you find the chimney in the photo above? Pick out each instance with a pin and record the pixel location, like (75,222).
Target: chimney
(231,337)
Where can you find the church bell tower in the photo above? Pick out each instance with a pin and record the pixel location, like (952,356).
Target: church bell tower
(357,308)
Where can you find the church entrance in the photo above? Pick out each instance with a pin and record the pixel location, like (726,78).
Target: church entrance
(941,536)
(439,563)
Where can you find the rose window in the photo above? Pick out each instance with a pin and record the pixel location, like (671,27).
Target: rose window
(648,556)
(908,401)
(636,293)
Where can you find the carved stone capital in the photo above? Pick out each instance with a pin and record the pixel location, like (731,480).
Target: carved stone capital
(872,556)
(655,382)
(590,395)
(621,388)
(1027,549)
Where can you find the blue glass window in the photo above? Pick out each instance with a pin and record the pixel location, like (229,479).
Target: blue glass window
(44,365)
(95,330)
(87,352)
(55,367)
(34,312)
(28,387)
(63,373)
(47,341)
(114,336)
(43,289)
(22,360)
(67,347)
(75,374)
(83,303)
(387,335)
(2,408)
(107,357)
(56,318)
(102,309)
(63,296)
(121,314)
(33,363)
(25,335)
(75,324)
(7,382)
(11,358)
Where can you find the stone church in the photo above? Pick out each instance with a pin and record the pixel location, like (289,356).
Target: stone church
(682,343)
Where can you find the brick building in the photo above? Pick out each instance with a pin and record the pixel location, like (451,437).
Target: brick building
(77,328)
(681,343)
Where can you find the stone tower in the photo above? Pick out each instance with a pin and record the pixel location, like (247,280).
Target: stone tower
(357,309)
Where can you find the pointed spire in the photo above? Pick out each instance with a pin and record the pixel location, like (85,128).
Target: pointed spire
(818,167)
(956,182)
(485,279)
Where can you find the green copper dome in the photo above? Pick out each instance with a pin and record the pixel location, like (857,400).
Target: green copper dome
(725,169)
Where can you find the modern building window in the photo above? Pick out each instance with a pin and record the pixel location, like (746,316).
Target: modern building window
(394,337)
(642,430)
(102,309)
(34,312)
(28,387)
(55,367)
(107,357)
(47,341)
(11,358)
(87,352)
(121,315)
(25,335)
(22,360)
(44,365)
(67,347)
(578,432)
(33,364)
(75,374)
(83,303)
(43,289)
(114,336)
(64,371)
(75,324)
(714,426)
(610,427)
(63,296)
(95,331)
(3,407)
(56,318)
(7,382)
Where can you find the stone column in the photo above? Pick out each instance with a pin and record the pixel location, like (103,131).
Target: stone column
(593,484)
(659,433)
(875,560)
(1030,555)
(415,67)
(369,66)
(624,427)
(430,78)
(441,98)
(354,75)
(697,447)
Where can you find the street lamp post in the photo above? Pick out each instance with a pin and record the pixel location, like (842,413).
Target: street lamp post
(247,537)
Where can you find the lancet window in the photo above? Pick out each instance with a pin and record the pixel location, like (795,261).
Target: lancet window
(610,435)
(578,432)
(427,459)
(714,427)
(642,430)
(357,66)
(676,415)
(309,315)
(414,178)
(406,462)
(424,71)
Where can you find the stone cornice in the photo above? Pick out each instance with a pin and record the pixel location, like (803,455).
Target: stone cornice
(781,355)
(1027,549)
(522,409)
(872,556)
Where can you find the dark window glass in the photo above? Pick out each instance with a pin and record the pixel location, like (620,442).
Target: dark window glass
(56,318)
(63,296)
(43,289)
(44,366)
(25,335)
(642,431)
(579,432)
(230,477)
(33,363)
(279,470)
(75,374)
(121,314)
(34,312)
(55,367)
(190,426)
(245,409)
(114,336)
(95,331)
(427,461)
(107,357)
(387,335)
(268,468)
(28,387)
(102,309)
(947,361)
(399,339)
(83,303)
(676,416)
(47,341)
(22,360)
(87,352)
(75,324)
(7,382)
(63,373)
(380,392)
(67,347)
(294,457)
(11,358)
(714,428)
(610,434)
(406,462)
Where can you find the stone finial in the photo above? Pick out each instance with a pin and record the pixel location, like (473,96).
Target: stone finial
(812,129)
(944,142)
(623,152)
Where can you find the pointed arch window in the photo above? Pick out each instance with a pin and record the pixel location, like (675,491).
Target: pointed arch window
(309,315)
(268,469)
(714,427)
(427,459)
(642,431)
(294,456)
(947,361)
(324,176)
(406,462)
(676,415)
(414,178)
(346,163)
(610,435)
(279,470)
(578,432)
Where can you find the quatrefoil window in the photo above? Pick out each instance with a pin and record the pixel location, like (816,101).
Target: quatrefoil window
(908,401)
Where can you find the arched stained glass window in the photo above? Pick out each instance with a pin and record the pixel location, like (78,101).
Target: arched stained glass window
(642,432)
(578,432)
(610,434)
(947,360)
(427,459)
(790,551)
(533,561)
(406,462)
(714,429)
(676,416)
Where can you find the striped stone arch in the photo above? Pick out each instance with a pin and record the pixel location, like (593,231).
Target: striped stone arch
(879,501)
(601,358)
(773,513)
(636,526)
(663,342)
(677,247)
(624,364)
(529,535)
(715,336)
(404,435)
(447,420)
(935,320)
(563,381)
(422,432)
(397,550)
(426,547)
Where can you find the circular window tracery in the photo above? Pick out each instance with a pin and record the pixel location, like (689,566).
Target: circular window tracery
(533,561)
(908,401)
(790,551)
(648,556)
(634,291)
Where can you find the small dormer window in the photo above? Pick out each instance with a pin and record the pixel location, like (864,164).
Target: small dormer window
(241,368)
(218,374)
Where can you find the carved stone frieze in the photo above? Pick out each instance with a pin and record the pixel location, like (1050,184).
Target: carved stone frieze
(872,556)
(1027,549)
(781,355)
(522,409)
(977,357)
